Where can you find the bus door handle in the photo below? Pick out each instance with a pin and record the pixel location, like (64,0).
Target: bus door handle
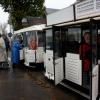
(26,52)
(56,63)
(49,59)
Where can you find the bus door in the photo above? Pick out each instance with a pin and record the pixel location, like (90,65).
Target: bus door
(98,50)
(85,52)
(89,59)
(48,56)
(30,54)
(40,47)
(59,41)
(73,67)
(95,68)
(88,56)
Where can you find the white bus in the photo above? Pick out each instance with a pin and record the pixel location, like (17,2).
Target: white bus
(64,34)
(33,41)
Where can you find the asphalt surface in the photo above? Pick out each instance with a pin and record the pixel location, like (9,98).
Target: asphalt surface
(30,84)
(56,92)
(17,85)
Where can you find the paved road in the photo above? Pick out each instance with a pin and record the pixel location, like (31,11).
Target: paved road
(17,85)
(24,84)
(55,92)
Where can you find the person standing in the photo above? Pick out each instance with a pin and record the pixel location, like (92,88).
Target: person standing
(15,52)
(85,55)
(98,55)
(6,40)
(2,50)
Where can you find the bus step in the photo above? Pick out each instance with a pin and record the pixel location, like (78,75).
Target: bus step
(75,90)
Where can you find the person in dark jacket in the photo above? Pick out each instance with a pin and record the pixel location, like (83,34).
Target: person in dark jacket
(15,53)
(85,55)
(7,44)
(3,56)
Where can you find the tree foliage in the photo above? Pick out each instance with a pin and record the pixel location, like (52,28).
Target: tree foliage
(19,9)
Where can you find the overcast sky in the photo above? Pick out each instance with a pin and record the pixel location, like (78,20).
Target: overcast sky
(3,16)
(57,4)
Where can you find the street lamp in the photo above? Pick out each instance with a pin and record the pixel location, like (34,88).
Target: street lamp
(9,9)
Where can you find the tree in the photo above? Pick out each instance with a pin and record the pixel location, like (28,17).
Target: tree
(22,8)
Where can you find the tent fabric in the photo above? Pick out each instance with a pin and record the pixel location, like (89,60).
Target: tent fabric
(2,50)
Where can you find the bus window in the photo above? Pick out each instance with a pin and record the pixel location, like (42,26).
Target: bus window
(49,40)
(98,46)
(20,38)
(32,41)
(40,38)
(25,40)
(57,45)
(73,40)
(94,46)
(60,41)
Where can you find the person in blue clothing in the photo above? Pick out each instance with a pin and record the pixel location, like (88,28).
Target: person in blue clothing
(15,53)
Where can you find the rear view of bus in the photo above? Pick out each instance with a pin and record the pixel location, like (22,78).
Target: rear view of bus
(33,41)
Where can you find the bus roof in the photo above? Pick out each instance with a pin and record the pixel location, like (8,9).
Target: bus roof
(75,13)
(72,22)
(31,28)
